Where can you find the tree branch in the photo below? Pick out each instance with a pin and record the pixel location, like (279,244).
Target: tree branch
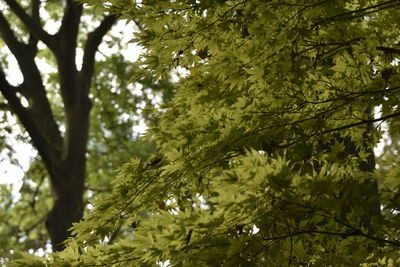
(24,56)
(4,106)
(389,50)
(30,23)
(359,12)
(25,117)
(114,236)
(362,122)
(36,193)
(346,234)
(15,46)
(93,41)
(33,40)
(32,87)
(65,53)
(70,21)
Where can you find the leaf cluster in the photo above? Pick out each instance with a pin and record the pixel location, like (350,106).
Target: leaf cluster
(266,149)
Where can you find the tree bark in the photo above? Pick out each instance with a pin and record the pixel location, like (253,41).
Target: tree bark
(69,178)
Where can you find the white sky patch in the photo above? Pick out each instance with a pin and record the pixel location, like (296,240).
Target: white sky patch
(124,30)
(137,89)
(385,140)
(50,25)
(24,102)
(2,6)
(140,128)
(166,263)
(132,51)
(178,73)
(11,173)
(200,202)
(255,230)
(16,78)
(79,58)
(44,64)
(42,252)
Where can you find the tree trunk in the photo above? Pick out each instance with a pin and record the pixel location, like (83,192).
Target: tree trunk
(68,183)
(67,208)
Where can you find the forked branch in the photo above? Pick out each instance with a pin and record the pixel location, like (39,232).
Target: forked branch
(30,23)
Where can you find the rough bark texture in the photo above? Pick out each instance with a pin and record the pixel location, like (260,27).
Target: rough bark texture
(62,155)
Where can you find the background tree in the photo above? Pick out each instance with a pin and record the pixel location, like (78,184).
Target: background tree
(57,106)
(63,155)
(265,153)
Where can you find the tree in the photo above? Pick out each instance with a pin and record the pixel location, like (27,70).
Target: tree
(265,153)
(55,107)
(63,154)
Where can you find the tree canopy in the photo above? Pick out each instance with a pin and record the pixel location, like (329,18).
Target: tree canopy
(265,151)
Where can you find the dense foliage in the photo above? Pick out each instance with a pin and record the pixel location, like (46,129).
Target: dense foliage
(265,152)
